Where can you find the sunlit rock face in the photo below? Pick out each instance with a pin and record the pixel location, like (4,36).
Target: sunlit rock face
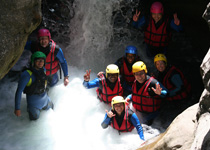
(18,20)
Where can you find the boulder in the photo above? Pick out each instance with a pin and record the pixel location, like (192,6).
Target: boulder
(178,136)
(18,20)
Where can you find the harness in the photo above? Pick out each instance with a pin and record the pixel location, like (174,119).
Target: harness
(38,86)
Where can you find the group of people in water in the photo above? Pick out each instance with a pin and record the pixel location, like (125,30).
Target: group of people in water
(126,85)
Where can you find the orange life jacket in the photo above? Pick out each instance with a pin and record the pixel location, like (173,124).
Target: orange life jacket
(52,64)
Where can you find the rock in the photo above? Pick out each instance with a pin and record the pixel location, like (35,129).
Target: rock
(179,135)
(18,20)
(202,139)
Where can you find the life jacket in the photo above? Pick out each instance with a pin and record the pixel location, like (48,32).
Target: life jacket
(127,75)
(141,99)
(52,63)
(157,37)
(126,126)
(184,93)
(105,93)
(38,86)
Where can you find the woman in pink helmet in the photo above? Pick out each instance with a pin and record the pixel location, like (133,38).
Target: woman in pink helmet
(157,27)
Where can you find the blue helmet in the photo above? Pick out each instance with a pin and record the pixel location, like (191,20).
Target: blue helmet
(131,50)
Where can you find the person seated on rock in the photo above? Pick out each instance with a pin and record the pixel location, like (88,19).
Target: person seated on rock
(147,93)
(54,55)
(157,28)
(33,83)
(179,89)
(122,118)
(108,84)
(125,65)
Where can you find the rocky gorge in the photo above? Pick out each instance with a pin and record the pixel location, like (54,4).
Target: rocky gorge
(190,129)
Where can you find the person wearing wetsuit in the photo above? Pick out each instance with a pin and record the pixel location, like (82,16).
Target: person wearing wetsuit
(108,85)
(33,83)
(122,118)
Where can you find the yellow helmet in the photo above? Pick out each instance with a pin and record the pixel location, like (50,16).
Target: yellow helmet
(112,68)
(116,100)
(139,66)
(159,57)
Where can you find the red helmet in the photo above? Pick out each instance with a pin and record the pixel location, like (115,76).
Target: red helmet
(157,7)
(43,32)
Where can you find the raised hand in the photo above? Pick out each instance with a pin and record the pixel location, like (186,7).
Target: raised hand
(158,89)
(87,75)
(100,73)
(136,15)
(110,114)
(176,19)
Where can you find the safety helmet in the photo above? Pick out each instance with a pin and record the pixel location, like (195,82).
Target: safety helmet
(43,32)
(139,66)
(37,55)
(116,100)
(112,68)
(160,57)
(156,7)
(131,50)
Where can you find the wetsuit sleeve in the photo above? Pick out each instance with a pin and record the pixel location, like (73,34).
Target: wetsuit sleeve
(140,23)
(63,62)
(177,81)
(175,27)
(106,121)
(25,77)
(91,84)
(129,98)
(136,123)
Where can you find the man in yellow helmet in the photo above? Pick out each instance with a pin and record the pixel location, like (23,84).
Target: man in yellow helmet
(108,84)
(147,93)
(121,117)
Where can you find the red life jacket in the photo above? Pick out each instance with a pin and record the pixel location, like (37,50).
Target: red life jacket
(127,75)
(157,37)
(141,99)
(166,82)
(106,94)
(126,125)
(52,64)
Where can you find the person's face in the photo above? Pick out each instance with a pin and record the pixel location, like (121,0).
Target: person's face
(39,63)
(44,41)
(156,17)
(130,58)
(112,77)
(160,65)
(140,76)
(119,108)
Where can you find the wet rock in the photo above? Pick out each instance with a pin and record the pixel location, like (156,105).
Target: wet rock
(18,20)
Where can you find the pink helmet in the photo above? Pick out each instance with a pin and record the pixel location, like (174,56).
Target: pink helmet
(156,7)
(43,32)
